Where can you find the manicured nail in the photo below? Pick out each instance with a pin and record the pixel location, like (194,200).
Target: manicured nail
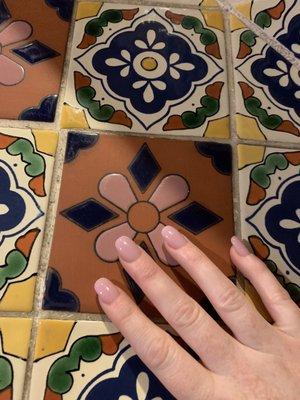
(173,238)
(239,247)
(127,249)
(106,290)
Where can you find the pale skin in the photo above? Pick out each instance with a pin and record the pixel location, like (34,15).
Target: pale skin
(259,361)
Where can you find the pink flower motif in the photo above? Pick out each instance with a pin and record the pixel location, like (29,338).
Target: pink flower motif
(11,73)
(172,190)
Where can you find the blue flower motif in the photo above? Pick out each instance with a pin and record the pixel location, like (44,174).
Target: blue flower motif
(280,76)
(283,222)
(135,382)
(150,66)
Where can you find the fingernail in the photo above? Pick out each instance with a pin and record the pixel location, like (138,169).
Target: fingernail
(239,247)
(127,249)
(173,238)
(106,290)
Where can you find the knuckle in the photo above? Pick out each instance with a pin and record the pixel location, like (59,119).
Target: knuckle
(280,296)
(231,300)
(158,352)
(126,313)
(146,271)
(186,314)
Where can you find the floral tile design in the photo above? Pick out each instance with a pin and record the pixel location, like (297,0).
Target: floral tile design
(149,70)
(26,163)
(14,345)
(89,360)
(267,85)
(32,56)
(132,186)
(270,209)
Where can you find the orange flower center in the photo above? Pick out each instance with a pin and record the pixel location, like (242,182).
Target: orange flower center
(143,217)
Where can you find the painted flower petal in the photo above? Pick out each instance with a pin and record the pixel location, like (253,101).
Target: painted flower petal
(11,73)
(174,58)
(15,32)
(160,85)
(296,48)
(139,84)
(141,44)
(151,36)
(116,189)
(172,190)
(125,71)
(114,62)
(282,65)
(284,81)
(289,224)
(148,94)
(272,72)
(105,243)
(174,74)
(185,66)
(125,54)
(159,46)
(157,242)
(142,386)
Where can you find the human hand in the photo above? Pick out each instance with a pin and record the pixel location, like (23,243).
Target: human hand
(260,361)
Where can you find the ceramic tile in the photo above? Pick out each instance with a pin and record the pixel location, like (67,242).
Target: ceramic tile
(148,70)
(89,360)
(270,214)
(32,56)
(267,85)
(14,345)
(26,163)
(133,186)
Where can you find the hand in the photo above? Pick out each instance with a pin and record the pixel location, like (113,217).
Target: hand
(259,362)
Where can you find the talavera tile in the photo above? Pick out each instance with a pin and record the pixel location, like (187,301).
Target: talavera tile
(89,360)
(26,163)
(267,85)
(270,210)
(134,186)
(31,56)
(148,70)
(14,345)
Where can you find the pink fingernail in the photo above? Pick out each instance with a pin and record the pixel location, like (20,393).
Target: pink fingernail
(173,238)
(239,247)
(106,291)
(127,249)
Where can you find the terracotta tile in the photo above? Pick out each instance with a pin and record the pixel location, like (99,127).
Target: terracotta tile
(135,186)
(32,57)
(26,164)
(149,70)
(269,193)
(267,85)
(102,362)
(14,345)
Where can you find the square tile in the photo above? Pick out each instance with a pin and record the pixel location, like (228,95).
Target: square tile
(32,57)
(101,362)
(148,70)
(267,85)
(26,164)
(14,345)
(134,186)
(270,209)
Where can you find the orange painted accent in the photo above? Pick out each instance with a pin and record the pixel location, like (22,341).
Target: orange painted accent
(150,220)
(36,184)
(289,127)
(6,394)
(175,18)
(87,41)
(110,343)
(247,90)
(214,50)
(128,15)
(6,140)
(214,90)
(256,194)
(276,12)
(49,395)
(25,243)
(260,249)
(244,50)
(81,80)
(120,117)
(174,123)
(293,157)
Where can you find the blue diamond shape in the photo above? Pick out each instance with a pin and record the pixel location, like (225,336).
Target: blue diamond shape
(4,12)
(144,168)
(89,214)
(35,52)
(195,218)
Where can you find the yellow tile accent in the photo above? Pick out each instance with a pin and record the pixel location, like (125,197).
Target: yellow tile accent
(16,335)
(245,9)
(87,9)
(249,155)
(209,3)
(213,19)
(218,128)
(52,337)
(46,141)
(72,117)
(19,296)
(247,128)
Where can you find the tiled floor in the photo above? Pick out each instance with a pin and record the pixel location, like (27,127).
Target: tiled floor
(184,114)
